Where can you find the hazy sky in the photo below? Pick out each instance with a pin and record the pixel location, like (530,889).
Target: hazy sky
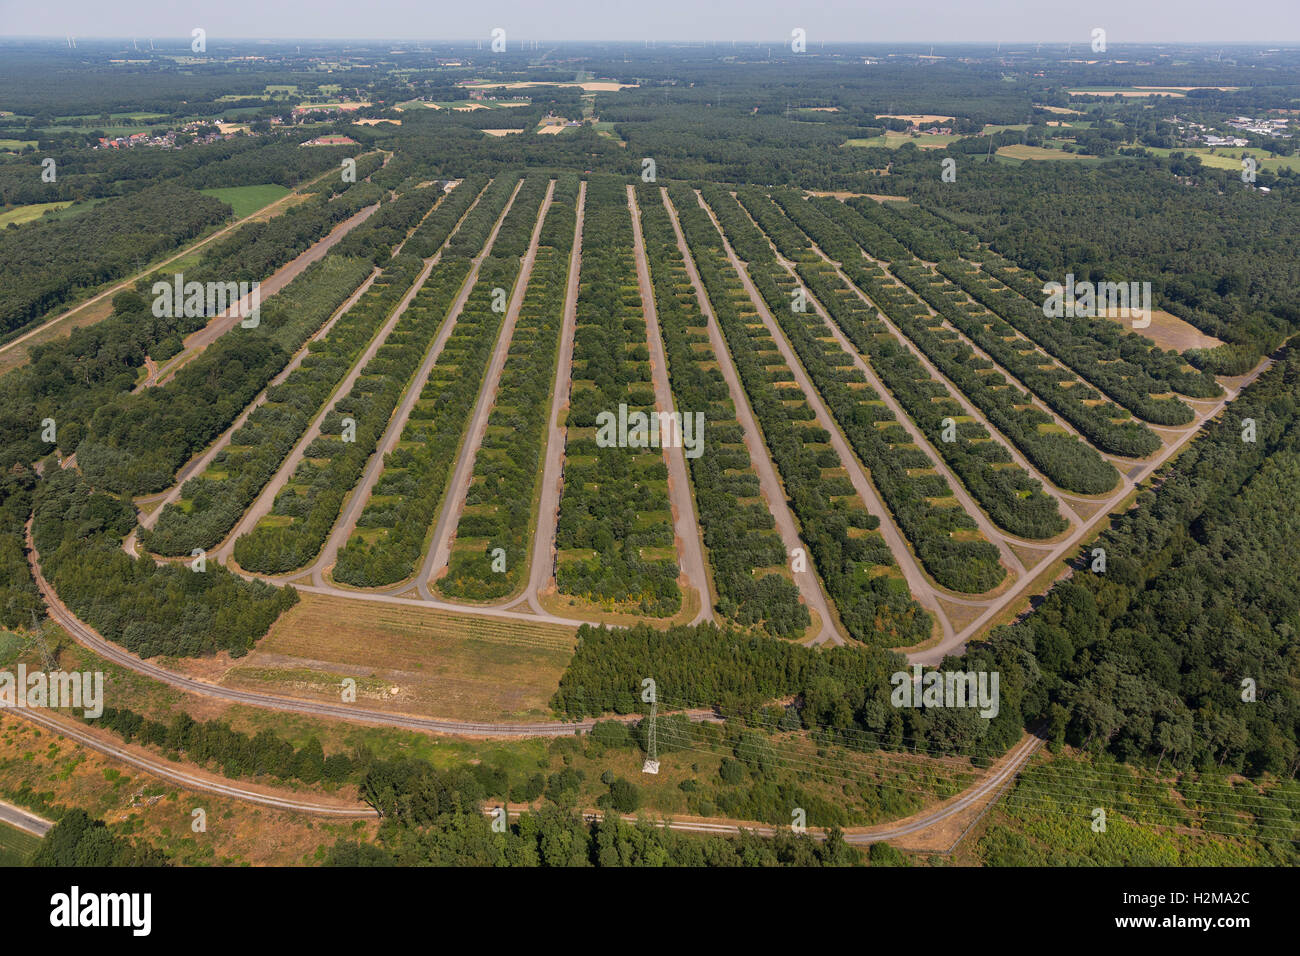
(1276,22)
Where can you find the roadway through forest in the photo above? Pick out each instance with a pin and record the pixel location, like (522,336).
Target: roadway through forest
(202,781)
(453,501)
(770,486)
(690,544)
(129,282)
(1128,482)
(196,780)
(222,323)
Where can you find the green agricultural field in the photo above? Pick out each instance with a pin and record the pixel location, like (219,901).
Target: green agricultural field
(246,200)
(892,139)
(1019,151)
(1225,157)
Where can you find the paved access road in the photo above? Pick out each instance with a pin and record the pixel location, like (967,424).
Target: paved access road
(24,819)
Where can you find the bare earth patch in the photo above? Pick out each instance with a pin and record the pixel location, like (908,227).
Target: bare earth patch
(1169,332)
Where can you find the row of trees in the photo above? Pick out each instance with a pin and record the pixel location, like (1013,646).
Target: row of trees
(500,504)
(135,441)
(334,462)
(394,527)
(1089,347)
(1064,459)
(1006,492)
(615,500)
(71,379)
(744,550)
(874,607)
(944,536)
(237,754)
(214,500)
(1107,425)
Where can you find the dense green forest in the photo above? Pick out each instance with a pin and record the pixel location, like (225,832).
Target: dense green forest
(1217,257)
(80,841)
(150,609)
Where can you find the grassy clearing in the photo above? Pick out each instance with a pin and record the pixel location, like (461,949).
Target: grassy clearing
(1022,152)
(21,214)
(1229,157)
(892,139)
(246,200)
(440,663)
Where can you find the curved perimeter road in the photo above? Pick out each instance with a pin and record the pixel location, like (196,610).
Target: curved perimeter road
(204,782)
(178,775)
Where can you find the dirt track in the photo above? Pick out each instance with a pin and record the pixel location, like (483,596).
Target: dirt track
(690,547)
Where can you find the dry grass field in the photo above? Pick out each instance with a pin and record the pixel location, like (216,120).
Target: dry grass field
(410,659)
